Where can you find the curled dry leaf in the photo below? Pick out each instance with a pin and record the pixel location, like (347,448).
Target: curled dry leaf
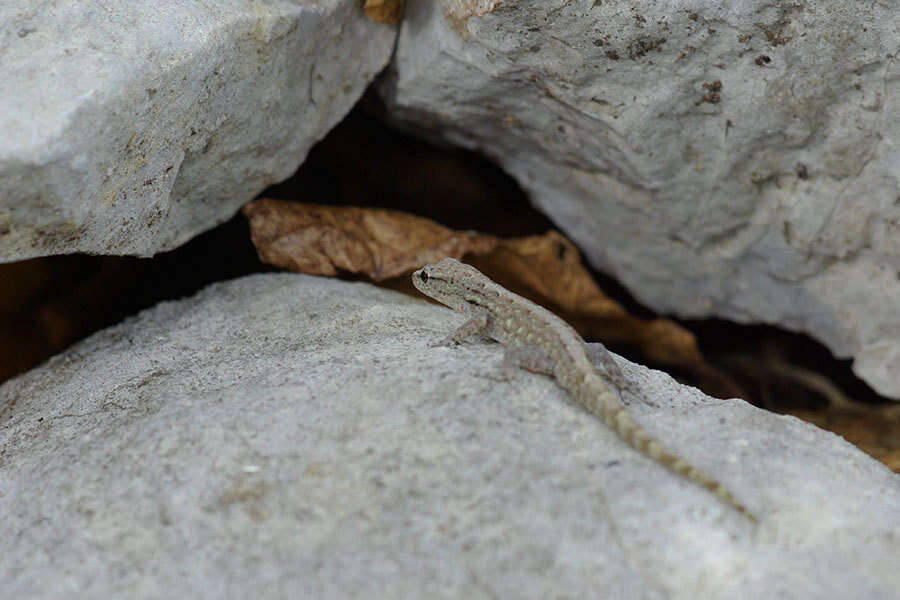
(383,243)
(384,11)
(378,243)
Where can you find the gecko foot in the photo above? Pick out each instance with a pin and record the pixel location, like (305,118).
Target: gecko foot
(447,341)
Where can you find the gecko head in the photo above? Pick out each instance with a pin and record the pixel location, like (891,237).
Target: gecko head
(435,280)
(446,281)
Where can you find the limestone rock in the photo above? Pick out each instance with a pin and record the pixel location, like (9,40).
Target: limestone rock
(129,127)
(289,436)
(737,160)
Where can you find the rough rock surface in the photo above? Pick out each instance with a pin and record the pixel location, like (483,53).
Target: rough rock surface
(129,127)
(731,159)
(291,436)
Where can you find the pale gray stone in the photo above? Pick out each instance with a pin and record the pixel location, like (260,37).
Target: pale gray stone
(290,436)
(737,160)
(129,127)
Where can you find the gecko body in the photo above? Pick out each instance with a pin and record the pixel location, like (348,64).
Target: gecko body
(539,341)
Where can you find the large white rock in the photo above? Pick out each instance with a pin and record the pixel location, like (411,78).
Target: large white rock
(129,127)
(286,436)
(731,159)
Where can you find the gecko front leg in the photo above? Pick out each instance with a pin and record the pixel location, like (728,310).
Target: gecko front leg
(476,323)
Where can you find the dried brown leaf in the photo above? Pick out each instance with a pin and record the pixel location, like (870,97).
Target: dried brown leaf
(379,243)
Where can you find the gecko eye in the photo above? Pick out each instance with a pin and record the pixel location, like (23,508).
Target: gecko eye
(423,276)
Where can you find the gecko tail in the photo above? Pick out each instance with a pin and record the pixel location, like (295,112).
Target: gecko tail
(614,414)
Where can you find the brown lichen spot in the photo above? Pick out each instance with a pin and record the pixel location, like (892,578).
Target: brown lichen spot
(612,54)
(639,18)
(56,236)
(802,171)
(640,47)
(875,106)
(693,16)
(599,42)
(745,37)
(757,178)
(762,60)
(776,37)
(249,494)
(384,11)
(713,97)
(787,232)
(685,52)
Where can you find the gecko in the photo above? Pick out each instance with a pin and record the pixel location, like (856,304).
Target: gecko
(537,340)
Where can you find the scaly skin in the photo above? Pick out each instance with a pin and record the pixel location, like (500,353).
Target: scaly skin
(539,341)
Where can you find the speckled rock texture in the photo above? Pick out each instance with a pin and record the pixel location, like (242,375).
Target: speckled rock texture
(286,436)
(737,160)
(129,127)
